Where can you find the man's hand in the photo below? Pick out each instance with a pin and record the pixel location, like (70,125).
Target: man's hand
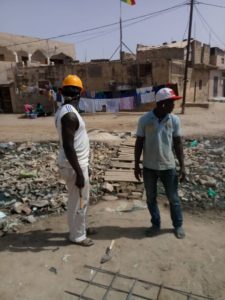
(182,174)
(80,180)
(138,172)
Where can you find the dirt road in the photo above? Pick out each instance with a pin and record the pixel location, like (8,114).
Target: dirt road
(195,122)
(39,263)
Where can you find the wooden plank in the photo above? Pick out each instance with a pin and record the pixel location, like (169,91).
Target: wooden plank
(130,143)
(120,175)
(116,171)
(121,178)
(130,150)
(122,165)
(126,148)
(126,153)
(123,158)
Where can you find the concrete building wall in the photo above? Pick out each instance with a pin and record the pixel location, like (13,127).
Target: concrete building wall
(196,52)
(161,52)
(49,48)
(206,54)
(39,56)
(160,71)
(6,55)
(220,61)
(217,57)
(6,72)
(198,87)
(217,84)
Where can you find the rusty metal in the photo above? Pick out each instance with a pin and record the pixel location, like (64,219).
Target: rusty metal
(151,283)
(129,293)
(112,288)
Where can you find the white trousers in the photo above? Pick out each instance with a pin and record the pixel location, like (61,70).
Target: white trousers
(77,215)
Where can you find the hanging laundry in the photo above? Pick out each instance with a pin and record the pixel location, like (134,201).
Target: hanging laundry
(99,103)
(126,103)
(88,105)
(113,105)
(147,94)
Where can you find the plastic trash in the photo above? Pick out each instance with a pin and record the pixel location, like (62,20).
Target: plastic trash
(27,174)
(2,215)
(194,143)
(211,193)
(9,145)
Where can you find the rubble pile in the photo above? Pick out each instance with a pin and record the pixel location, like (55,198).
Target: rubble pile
(29,180)
(205,167)
(30,185)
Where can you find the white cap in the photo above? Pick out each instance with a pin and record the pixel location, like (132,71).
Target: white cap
(166,93)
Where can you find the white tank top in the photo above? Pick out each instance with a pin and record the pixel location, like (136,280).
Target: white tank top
(81,140)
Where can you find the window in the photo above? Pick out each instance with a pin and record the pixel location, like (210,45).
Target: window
(222,60)
(2,57)
(200,84)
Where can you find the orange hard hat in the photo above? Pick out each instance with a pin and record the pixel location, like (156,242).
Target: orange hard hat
(72,80)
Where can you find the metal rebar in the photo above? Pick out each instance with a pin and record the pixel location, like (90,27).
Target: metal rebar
(131,291)
(85,289)
(148,282)
(113,288)
(159,292)
(110,286)
(78,295)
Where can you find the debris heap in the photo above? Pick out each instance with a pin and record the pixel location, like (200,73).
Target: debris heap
(30,185)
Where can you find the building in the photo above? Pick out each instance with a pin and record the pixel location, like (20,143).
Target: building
(29,82)
(18,51)
(217,76)
(168,63)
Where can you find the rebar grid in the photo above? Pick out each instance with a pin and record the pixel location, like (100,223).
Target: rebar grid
(130,293)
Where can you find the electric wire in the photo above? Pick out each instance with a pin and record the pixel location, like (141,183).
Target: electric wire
(99,27)
(208,26)
(210,4)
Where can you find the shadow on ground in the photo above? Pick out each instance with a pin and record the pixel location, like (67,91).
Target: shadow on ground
(47,240)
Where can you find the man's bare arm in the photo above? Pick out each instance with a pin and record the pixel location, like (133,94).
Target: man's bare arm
(137,154)
(178,148)
(70,124)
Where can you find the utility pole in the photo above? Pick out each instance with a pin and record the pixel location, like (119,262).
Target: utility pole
(121,36)
(187,55)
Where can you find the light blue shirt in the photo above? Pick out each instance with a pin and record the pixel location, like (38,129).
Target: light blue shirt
(158,143)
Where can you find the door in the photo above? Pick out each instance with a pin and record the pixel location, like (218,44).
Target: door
(215,86)
(5,100)
(224,87)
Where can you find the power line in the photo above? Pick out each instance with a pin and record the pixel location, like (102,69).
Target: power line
(155,14)
(100,27)
(209,27)
(210,4)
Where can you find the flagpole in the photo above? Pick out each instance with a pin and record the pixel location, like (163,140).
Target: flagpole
(121,36)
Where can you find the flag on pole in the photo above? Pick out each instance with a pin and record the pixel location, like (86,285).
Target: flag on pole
(130,2)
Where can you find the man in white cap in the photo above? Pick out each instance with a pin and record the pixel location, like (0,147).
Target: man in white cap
(158,133)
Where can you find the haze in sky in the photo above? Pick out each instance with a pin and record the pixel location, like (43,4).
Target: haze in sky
(51,18)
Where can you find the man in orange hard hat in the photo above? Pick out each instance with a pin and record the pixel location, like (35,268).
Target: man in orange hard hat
(74,158)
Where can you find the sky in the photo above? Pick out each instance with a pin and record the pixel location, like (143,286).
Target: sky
(51,18)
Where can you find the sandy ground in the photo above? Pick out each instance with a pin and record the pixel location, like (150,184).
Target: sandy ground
(195,122)
(195,264)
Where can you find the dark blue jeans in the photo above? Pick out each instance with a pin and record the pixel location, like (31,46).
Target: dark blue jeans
(169,179)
